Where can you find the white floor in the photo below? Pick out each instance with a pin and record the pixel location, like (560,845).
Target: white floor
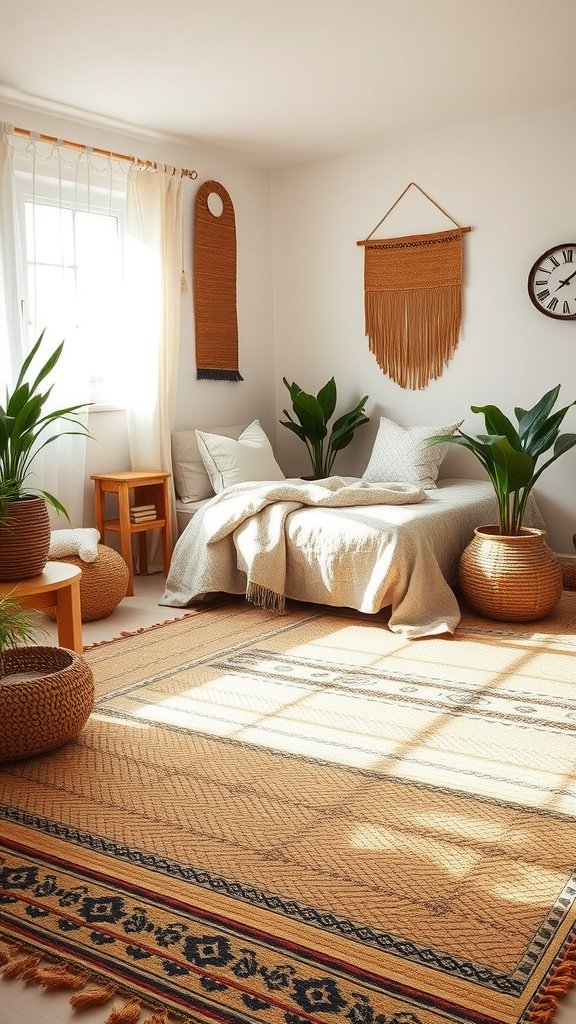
(20,1004)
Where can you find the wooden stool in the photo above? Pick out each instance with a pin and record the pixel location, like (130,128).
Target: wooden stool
(151,488)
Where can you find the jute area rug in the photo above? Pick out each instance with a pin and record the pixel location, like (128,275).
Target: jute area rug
(302,819)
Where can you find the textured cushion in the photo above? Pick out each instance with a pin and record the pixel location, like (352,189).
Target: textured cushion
(191,480)
(231,462)
(400,455)
(81,542)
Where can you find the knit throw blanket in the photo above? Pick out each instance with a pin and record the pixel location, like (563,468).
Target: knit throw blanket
(256,515)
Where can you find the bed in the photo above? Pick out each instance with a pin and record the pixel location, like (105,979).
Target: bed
(366,556)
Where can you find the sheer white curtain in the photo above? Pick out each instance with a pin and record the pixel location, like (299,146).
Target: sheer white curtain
(153,264)
(12,344)
(55,273)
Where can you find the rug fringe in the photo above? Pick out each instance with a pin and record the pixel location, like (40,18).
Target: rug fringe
(129,1013)
(61,976)
(92,997)
(561,981)
(25,969)
(17,961)
(142,629)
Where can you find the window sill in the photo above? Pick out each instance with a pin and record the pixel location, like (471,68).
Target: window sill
(106,407)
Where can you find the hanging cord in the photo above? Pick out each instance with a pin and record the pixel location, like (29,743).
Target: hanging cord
(413,184)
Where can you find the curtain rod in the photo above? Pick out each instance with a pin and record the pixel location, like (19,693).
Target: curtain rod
(184,173)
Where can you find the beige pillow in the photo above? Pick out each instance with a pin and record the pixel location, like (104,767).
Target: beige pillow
(400,455)
(231,462)
(191,480)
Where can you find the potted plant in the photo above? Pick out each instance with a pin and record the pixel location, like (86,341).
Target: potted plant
(507,571)
(313,413)
(24,426)
(46,693)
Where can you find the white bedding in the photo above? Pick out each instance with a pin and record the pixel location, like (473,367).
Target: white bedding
(365,557)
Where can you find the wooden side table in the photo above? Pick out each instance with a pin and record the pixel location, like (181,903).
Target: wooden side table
(150,488)
(57,588)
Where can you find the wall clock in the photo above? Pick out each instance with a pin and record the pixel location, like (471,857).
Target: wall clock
(552,282)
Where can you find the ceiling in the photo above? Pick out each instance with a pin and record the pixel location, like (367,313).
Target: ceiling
(278,82)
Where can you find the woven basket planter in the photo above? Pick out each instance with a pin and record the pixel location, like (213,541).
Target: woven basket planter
(40,713)
(568,567)
(512,579)
(24,539)
(103,583)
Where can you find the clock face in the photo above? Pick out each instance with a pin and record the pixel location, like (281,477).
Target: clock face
(552,282)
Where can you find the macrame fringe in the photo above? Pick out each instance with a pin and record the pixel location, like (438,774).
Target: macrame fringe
(218,375)
(560,982)
(413,333)
(262,597)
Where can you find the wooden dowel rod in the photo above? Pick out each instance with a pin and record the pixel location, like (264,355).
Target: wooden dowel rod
(25,133)
(403,238)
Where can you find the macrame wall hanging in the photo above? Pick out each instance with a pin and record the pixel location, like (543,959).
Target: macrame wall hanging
(412,300)
(216,322)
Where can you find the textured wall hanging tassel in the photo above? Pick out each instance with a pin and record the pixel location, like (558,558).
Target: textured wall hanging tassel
(216,323)
(412,300)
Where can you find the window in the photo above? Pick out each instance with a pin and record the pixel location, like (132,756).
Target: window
(72,241)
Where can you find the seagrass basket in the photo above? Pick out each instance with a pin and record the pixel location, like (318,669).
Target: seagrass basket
(103,583)
(40,713)
(24,538)
(510,578)
(568,567)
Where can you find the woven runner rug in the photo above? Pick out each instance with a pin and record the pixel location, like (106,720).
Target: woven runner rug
(305,819)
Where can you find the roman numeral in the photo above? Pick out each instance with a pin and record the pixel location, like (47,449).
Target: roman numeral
(553,303)
(543,295)
(568,255)
(565,307)
(542,280)
(554,261)
(544,270)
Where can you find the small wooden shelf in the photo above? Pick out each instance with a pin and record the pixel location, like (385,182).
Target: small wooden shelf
(153,486)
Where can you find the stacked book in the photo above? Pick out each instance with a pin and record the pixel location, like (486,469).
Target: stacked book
(142,513)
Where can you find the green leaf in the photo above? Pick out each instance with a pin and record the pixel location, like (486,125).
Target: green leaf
(497,423)
(327,399)
(309,412)
(534,417)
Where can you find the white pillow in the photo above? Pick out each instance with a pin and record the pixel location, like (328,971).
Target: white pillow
(191,480)
(231,462)
(400,455)
(81,541)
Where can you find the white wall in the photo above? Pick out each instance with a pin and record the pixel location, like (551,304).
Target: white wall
(512,181)
(199,403)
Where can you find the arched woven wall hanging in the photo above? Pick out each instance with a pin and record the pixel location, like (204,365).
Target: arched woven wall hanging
(215,319)
(412,300)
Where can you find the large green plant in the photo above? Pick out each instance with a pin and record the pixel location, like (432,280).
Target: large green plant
(510,455)
(313,413)
(23,426)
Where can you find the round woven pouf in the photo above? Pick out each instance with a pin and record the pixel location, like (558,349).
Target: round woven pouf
(103,583)
(40,713)
(511,579)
